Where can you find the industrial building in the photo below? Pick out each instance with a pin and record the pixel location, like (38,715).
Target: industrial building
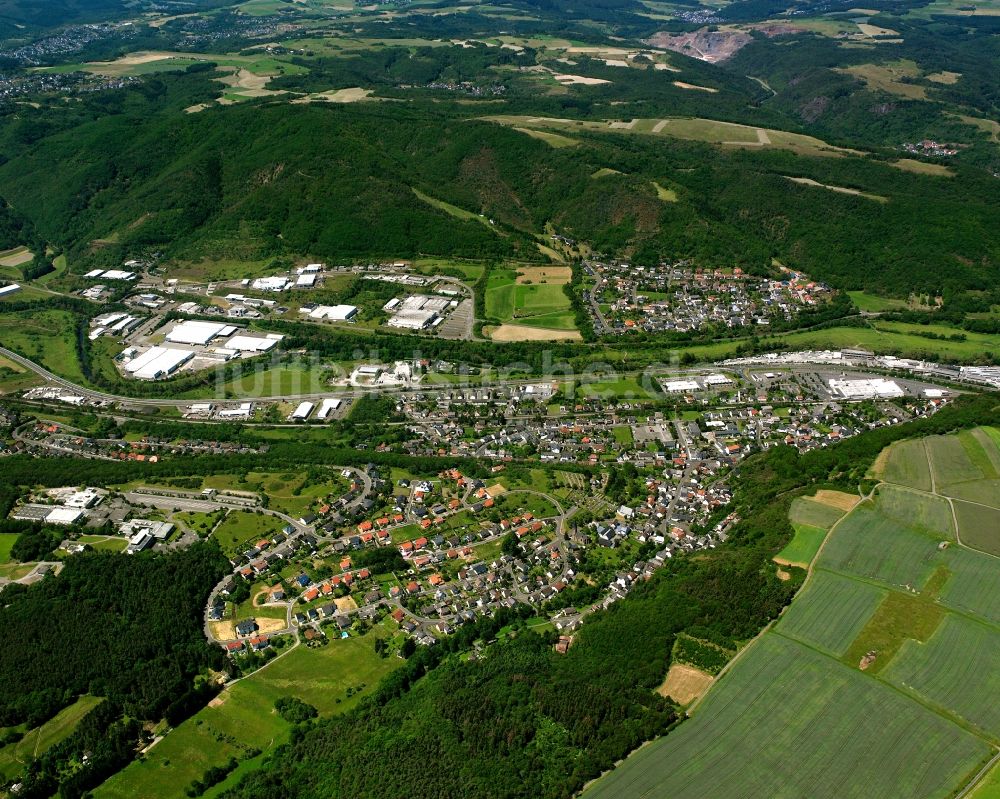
(328,406)
(270,284)
(253,343)
(335,313)
(418,312)
(194,332)
(677,386)
(869,388)
(157,362)
(301,413)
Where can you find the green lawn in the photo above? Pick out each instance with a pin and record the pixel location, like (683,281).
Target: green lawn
(6,543)
(803,546)
(243,719)
(46,337)
(241,527)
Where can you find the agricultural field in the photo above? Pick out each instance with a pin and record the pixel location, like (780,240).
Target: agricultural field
(788,720)
(692,128)
(974,586)
(242,719)
(951,461)
(916,509)
(830,612)
(816,514)
(871,545)
(803,547)
(978,526)
(955,669)
(512,299)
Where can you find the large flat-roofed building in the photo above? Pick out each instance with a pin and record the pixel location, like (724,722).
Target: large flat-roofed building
(335,313)
(866,388)
(252,343)
(64,516)
(270,283)
(328,406)
(676,386)
(157,362)
(194,332)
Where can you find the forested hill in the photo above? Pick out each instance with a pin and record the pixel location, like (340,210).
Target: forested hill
(337,182)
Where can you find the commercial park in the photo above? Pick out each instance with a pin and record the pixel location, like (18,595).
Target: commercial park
(193,344)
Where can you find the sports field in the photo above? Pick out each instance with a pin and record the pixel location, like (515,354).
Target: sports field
(791,722)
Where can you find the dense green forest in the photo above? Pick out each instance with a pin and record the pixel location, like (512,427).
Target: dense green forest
(128,629)
(187,186)
(522,721)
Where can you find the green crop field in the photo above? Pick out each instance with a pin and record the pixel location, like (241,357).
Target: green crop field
(534,304)
(815,514)
(975,585)
(979,526)
(950,461)
(916,508)
(803,546)
(790,721)
(244,717)
(981,451)
(831,611)
(956,669)
(906,463)
(989,440)
(984,492)
(871,545)
(240,527)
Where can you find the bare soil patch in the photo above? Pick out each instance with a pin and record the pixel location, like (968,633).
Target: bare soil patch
(525,333)
(223,630)
(544,274)
(836,499)
(682,85)
(270,625)
(685,683)
(783,575)
(345,603)
(582,80)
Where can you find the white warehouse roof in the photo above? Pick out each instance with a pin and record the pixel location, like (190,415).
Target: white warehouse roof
(192,332)
(157,362)
(338,313)
(251,343)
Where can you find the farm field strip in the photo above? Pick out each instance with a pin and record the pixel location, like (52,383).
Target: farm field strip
(830,611)
(816,514)
(956,669)
(790,721)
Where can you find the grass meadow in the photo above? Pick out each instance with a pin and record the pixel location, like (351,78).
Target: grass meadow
(243,718)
